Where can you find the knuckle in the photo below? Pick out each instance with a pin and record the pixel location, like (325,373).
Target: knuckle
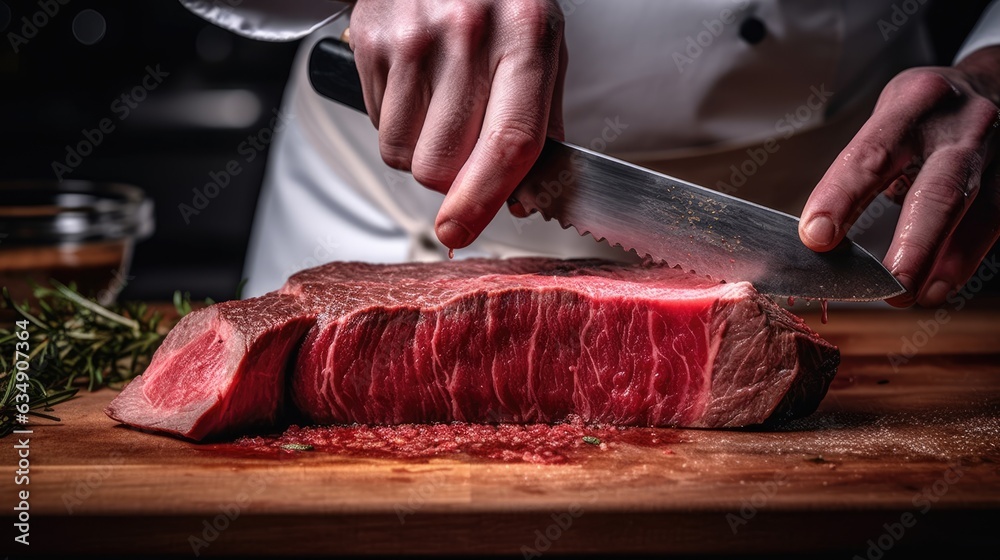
(984,117)
(965,160)
(957,181)
(942,193)
(474,205)
(516,142)
(843,204)
(433,171)
(927,84)
(365,40)
(412,42)
(395,154)
(874,159)
(465,21)
(541,20)
(920,250)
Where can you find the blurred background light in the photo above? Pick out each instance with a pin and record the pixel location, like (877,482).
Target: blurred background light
(222,108)
(89,27)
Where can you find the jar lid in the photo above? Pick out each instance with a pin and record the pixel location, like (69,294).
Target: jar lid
(42,212)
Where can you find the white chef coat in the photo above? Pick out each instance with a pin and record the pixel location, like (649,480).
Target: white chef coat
(674,86)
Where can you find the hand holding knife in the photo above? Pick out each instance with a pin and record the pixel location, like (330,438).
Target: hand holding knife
(656,215)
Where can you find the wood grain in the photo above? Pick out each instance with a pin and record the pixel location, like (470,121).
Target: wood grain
(887,442)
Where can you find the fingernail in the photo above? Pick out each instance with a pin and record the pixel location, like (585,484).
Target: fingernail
(454,234)
(907,298)
(516,208)
(937,292)
(820,230)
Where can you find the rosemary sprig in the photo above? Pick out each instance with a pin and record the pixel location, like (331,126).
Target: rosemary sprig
(74,342)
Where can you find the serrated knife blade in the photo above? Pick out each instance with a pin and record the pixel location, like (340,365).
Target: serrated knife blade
(701,230)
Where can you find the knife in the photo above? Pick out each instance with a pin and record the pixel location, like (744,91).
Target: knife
(660,217)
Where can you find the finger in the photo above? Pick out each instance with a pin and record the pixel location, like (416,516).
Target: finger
(404,107)
(898,189)
(872,162)
(514,130)
(517,209)
(454,118)
(972,240)
(881,152)
(932,208)
(373,69)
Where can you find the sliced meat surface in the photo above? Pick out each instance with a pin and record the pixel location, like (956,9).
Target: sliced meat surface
(220,371)
(625,345)
(517,340)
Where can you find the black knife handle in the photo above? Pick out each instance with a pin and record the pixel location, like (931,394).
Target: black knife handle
(333,73)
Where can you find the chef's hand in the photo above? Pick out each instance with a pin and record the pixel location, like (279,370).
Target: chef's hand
(463,94)
(931,142)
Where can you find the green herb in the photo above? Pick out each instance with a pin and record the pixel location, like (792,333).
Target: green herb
(73,343)
(591,440)
(297,446)
(239,288)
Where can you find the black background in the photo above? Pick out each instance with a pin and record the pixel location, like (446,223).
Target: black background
(56,86)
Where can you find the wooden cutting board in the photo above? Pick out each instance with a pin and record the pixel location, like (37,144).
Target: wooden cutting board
(899,456)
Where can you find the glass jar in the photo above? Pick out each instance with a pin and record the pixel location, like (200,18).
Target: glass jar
(78,232)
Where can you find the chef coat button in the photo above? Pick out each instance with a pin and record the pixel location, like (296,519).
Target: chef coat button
(752,30)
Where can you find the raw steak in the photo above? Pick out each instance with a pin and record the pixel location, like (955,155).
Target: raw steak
(220,371)
(519,340)
(538,340)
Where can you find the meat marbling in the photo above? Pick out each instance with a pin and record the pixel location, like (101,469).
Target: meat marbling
(517,340)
